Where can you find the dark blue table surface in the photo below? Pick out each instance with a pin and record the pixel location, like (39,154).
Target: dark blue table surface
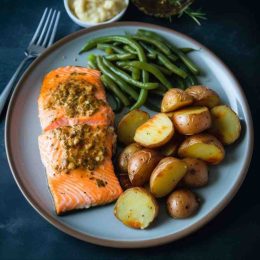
(232,32)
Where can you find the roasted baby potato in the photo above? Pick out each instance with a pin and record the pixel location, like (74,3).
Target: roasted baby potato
(182,203)
(175,98)
(192,120)
(225,124)
(156,132)
(136,208)
(166,176)
(125,155)
(202,146)
(171,148)
(129,123)
(141,165)
(197,174)
(203,96)
(124,181)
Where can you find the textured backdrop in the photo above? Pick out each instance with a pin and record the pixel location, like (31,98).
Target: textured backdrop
(231,31)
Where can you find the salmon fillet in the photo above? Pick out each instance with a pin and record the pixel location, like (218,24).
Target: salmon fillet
(55,116)
(76,147)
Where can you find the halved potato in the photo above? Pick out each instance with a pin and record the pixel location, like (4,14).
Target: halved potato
(136,208)
(156,132)
(129,123)
(141,165)
(192,120)
(175,98)
(182,203)
(171,148)
(166,176)
(125,155)
(203,96)
(225,124)
(202,146)
(197,174)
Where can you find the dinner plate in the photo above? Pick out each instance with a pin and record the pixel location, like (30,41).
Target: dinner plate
(98,225)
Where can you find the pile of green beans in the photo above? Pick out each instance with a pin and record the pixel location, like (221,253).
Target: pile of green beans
(137,67)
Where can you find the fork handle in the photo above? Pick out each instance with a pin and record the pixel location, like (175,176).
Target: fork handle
(5,94)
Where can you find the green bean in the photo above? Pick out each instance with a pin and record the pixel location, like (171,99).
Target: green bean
(128,78)
(141,99)
(129,49)
(166,62)
(104,46)
(122,84)
(118,104)
(173,57)
(187,50)
(118,38)
(114,38)
(150,34)
(191,80)
(92,61)
(116,43)
(153,70)
(160,45)
(122,63)
(162,69)
(149,49)
(110,84)
(172,67)
(135,73)
(92,65)
(124,56)
(192,67)
(152,56)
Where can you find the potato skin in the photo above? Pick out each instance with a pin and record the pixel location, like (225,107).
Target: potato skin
(197,173)
(189,148)
(225,124)
(156,132)
(129,123)
(141,165)
(203,96)
(192,120)
(138,216)
(182,203)
(166,176)
(174,99)
(124,181)
(125,155)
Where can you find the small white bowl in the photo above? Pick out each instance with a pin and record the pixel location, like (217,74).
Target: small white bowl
(75,19)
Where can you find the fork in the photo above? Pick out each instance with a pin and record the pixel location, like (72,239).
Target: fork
(41,40)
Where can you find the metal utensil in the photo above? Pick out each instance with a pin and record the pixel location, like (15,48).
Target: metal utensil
(42,39)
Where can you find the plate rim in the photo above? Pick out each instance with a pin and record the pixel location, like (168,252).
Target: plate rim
(128,243)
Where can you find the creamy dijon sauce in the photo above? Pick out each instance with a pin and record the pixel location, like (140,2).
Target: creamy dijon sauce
(96,11)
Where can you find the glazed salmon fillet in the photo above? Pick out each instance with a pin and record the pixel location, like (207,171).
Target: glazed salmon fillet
(56,115)
(76,145)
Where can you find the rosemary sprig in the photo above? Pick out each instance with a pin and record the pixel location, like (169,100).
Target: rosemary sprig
(195,15)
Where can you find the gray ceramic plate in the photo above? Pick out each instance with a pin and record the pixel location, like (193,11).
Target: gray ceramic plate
(98,225)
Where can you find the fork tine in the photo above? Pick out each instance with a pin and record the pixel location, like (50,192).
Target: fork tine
(49,29)
(39,26)
(54,29)
(44,28)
